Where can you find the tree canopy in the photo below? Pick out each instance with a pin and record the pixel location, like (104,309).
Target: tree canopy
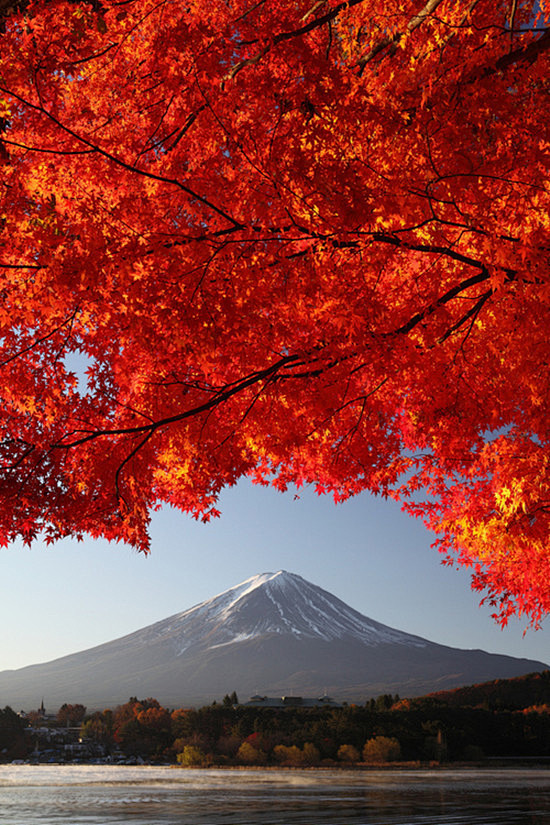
(303,242)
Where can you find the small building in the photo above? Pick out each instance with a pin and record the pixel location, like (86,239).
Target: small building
(290,702)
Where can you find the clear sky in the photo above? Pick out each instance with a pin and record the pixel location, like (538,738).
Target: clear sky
(71,596)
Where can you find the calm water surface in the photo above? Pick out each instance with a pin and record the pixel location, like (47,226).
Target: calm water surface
(102,795)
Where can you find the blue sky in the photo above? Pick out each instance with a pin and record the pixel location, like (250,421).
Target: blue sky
(71,596)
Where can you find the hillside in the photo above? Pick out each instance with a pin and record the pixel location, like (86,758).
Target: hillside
(527,691)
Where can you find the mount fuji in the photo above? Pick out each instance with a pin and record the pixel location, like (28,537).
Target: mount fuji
(275,633)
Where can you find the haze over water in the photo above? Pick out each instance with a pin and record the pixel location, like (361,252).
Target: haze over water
(103,795)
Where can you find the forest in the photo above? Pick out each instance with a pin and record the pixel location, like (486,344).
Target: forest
(502,720)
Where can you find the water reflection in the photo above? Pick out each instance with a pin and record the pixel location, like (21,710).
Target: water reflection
(50,795)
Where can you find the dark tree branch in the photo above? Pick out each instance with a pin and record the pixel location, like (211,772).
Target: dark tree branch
(393,40)
(530,53)
(68,321)
(121,163)
(473,312)
(283,36)
(220,397)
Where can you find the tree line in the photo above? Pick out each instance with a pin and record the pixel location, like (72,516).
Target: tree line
(506,718)
(418,730)
(384,730)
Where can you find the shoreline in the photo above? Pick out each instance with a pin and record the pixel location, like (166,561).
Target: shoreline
(371,767)
(420,767)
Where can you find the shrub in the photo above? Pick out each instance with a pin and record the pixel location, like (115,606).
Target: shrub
(191,757)
(311,755)
(249,755)
(381,749)
(348,753)
(289,755)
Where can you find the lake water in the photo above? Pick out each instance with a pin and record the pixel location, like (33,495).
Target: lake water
(102,795)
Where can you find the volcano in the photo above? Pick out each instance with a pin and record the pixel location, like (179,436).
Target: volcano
(273,634)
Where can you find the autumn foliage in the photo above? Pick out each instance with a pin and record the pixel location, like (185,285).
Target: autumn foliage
(303,242)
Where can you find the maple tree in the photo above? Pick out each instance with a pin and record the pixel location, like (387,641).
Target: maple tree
(303,242)
(70,715)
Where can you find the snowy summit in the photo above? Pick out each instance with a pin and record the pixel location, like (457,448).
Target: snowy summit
(282,603)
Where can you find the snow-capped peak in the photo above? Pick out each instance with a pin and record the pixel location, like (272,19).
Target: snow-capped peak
(277,603)
(225,601)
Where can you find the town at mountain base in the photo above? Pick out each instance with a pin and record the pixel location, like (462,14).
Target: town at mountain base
(273,634)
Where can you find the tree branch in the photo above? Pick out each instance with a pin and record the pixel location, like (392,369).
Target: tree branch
(69,320)
(393,40)
(473,312)
(444,299)
(219,398)
(282,36)
(121,163)
(530,52)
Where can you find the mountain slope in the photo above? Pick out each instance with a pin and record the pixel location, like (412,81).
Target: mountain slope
(274,634)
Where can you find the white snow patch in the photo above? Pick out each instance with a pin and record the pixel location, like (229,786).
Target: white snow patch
(240,637)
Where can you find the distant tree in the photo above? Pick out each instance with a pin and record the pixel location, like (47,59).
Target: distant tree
(70,715)
(35,718)
(386,701)
(290,755)
(311,755)
(381,749)
(472,753)
(128,736)
(435,746)
(98,727)
(247,754)
(12,742)
(181,722)
(228,745)
(142,726)
(230,699)
(155,733)
(348,753)
(192,757)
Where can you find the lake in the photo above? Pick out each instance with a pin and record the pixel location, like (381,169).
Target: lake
(102,795)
